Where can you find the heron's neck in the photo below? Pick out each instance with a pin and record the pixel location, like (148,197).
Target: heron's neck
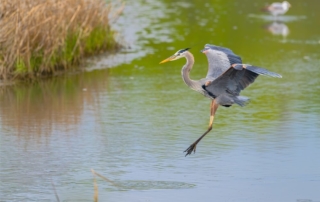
(186,70)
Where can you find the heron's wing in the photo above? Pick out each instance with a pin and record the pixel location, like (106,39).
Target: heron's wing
(219,59)
(235,79)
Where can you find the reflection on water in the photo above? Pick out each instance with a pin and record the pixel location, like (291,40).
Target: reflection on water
(48,105)
(278,28)
(277,25)
(132,123)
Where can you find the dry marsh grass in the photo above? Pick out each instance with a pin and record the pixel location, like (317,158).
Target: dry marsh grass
(39,37)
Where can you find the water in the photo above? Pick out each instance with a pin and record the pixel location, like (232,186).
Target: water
(132,122)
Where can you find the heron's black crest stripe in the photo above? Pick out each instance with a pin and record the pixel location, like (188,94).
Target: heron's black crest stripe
(183,50)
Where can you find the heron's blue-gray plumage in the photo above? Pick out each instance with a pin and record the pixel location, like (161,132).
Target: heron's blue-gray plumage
(231,82)
(227,87)
(262,71)
(226,76)
(225,79)
(219,59)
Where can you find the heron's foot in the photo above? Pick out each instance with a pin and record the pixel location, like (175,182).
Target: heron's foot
(191,148)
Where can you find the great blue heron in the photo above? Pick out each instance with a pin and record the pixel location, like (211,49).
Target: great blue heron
(277,8)
(225,79)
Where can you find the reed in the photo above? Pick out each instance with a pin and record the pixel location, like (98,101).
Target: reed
(41,37)
(95,185)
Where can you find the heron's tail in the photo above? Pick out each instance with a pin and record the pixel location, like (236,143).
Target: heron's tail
(241,100)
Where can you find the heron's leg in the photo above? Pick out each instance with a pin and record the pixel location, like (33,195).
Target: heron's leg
(213,109)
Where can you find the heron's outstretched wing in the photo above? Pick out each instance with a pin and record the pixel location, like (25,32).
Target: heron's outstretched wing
(219,59)
(235,79)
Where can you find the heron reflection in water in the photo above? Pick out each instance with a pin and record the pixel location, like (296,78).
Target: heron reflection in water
(226,78)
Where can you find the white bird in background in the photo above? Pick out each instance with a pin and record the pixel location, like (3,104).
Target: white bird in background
(277,8)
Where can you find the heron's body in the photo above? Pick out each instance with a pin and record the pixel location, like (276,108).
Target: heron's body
(277,8)
(226,78)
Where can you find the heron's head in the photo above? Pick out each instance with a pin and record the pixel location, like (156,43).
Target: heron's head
(179,54)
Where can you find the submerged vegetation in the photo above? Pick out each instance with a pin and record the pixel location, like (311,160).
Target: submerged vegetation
(41,37)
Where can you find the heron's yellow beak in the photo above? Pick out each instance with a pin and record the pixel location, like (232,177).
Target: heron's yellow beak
(168,59)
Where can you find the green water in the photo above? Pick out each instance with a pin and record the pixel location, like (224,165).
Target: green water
(130,119)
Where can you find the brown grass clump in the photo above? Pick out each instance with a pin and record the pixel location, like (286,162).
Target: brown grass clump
(39,37)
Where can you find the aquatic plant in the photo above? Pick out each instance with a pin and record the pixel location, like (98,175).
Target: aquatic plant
(42,37)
